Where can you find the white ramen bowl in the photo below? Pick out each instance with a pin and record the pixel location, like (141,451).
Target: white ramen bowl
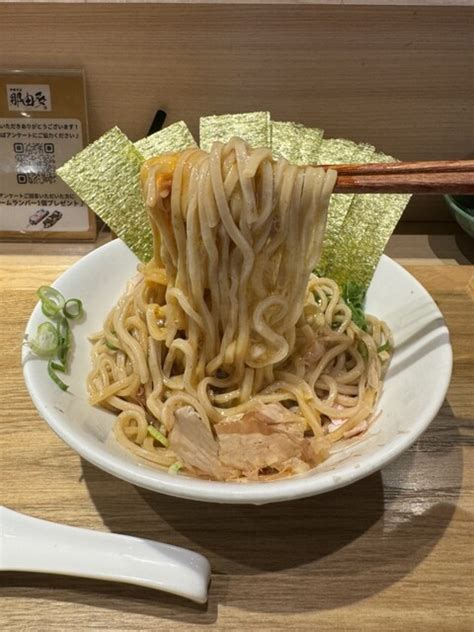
(414,388)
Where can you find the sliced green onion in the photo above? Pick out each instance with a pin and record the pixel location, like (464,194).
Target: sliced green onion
(64,339)
(57,366)
(385,347)
(54,340)
(110,346)
(73,308)
(156,434)
(46,341)
(354,297)
(52,301)
(49,310)
(362,347)
(173,469)
(52,368)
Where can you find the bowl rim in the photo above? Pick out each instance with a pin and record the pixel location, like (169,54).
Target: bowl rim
(228,492)
(457,208)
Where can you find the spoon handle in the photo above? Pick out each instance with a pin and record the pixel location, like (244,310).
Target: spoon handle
(30,544)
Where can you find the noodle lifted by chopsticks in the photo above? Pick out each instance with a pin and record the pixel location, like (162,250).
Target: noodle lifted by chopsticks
(227,357)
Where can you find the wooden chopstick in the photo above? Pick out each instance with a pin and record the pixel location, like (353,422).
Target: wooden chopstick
(433,177)
(433,166)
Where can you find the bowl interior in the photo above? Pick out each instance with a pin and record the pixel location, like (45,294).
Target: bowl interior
(414,388)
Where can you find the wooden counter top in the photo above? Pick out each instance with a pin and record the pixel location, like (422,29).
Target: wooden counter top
(391,552)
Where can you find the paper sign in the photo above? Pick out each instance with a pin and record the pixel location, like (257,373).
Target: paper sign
(43,123)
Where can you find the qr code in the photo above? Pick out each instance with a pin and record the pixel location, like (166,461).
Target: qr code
(35,163)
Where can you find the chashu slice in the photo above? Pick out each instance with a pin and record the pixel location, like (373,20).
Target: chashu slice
(264,437)
(195,445)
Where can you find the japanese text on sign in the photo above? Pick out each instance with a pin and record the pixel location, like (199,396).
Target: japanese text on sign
(22,97)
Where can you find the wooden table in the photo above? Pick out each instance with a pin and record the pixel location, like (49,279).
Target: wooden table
(391,552)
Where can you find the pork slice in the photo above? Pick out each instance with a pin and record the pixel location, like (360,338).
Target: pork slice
(281,418)
(291,467)
(315,450)
(253,450)
(257,441)
(194,444)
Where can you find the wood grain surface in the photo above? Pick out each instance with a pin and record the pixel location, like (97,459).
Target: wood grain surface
(398,77)
(391,552)
(423,3)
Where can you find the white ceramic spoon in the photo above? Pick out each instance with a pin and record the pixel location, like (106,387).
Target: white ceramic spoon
(29,544)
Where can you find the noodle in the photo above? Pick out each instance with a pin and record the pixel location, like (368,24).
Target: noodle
(248,364)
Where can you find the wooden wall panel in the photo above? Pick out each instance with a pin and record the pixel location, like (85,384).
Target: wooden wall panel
(398,77)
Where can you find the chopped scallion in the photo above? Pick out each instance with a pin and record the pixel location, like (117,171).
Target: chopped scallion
(52,368)
(362,347)
(64,336)
(53,340)
(73,308)
(174,469)
(57,366)
(156,434)
(354,297)
(46,341)
(52,301)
